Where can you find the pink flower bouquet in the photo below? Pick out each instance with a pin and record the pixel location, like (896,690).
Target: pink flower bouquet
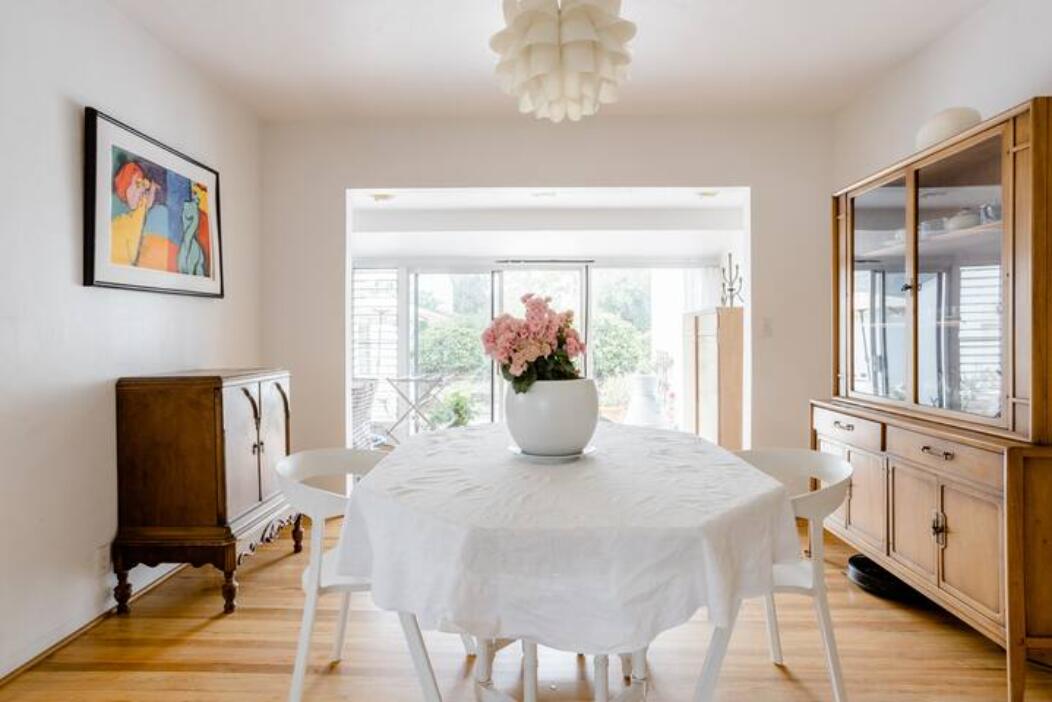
(540,347)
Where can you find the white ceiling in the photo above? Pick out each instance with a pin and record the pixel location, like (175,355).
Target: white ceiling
(486,224)
(336,58)
(546,198)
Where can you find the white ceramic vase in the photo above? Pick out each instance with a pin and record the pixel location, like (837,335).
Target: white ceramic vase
(553,417)
(644,405)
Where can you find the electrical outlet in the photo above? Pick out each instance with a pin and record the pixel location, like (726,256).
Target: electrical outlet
(102,560)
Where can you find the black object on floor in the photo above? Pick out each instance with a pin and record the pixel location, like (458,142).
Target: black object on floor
(875,580)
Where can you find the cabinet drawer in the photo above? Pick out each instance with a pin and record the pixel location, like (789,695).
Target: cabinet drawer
(976,465)
(850,430)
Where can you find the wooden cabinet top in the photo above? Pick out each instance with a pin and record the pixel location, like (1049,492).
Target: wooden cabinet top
(209,376)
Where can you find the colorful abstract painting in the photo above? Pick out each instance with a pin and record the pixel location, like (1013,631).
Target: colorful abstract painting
(154,222)
(159,218)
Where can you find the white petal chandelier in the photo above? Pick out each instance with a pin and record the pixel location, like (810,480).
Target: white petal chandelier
(562,59)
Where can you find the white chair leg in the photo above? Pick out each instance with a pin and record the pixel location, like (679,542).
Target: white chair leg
(710,671)
(825,625)
(626,666)
(602,679)
(469,644)
(529,671)
(421,662)
(299,670)
(774,638)
(484,661)
(341,627)
(639,664)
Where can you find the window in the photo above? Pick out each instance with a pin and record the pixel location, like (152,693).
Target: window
(374,342)
(450,311)
(631,318)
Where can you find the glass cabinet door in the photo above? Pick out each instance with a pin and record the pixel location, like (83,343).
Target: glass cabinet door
(960,314)
(879,306)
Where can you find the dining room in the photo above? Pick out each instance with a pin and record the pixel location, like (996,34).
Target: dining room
(532,350)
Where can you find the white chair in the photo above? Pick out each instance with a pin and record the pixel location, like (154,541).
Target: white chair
(795,468)
(315,484)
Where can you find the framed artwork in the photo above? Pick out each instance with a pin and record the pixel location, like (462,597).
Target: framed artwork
(151,214)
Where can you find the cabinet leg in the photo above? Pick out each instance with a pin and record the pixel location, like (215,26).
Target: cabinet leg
(122,593)
(1016,672)
(297,534)
(229,592)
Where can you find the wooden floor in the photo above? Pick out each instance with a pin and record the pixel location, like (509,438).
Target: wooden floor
(177,646)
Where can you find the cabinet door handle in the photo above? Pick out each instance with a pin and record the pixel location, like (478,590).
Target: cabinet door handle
(938,527)
(944,455)
(258,448)
(906,287)
(843,427)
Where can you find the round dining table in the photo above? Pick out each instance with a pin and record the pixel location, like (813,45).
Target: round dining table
(458,532)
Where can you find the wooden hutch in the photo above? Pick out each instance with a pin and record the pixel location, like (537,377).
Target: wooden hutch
(942,381)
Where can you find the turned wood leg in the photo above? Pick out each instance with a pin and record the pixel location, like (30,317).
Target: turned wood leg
(229,591)
(122,593)
(297,534)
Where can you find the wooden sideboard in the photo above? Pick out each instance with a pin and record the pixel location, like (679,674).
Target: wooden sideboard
(714,374)
(195,461)
(942,382)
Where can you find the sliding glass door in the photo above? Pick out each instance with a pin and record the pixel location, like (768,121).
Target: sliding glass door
(453,378)
(420,330)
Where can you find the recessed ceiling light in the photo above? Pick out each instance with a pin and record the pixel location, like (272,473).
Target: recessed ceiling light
(543,193)
(708,193)
(381,197)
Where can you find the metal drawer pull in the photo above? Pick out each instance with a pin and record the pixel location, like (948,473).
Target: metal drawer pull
(944,455)
(843,427)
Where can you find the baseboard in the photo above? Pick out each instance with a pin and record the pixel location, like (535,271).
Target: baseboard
(65,640)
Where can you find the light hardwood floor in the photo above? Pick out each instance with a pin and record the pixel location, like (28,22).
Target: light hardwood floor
(177,646)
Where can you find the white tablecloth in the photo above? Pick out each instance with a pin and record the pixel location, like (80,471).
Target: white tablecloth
(596,556)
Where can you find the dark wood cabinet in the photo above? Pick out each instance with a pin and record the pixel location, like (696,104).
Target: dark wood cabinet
(196,453)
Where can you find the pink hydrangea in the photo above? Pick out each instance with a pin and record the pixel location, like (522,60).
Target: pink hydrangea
(544,333)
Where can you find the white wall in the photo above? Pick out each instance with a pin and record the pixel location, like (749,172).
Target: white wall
(996,58)
(786,161)
(63,345)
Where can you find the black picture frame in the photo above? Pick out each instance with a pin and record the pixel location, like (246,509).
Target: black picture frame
(94,277)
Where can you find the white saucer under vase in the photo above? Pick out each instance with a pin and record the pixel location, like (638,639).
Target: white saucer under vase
(554,417)
(550,460)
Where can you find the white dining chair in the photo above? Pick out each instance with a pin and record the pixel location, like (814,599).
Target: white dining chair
(796,469)
(315,484)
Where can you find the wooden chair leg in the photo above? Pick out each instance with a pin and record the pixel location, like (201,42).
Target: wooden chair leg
(341,627)
(774,637)
(421,662)
(299,670)
(825,625)
(710,671)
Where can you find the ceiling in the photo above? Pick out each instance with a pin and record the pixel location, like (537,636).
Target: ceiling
(486,224)
(545,198)
(311,59)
